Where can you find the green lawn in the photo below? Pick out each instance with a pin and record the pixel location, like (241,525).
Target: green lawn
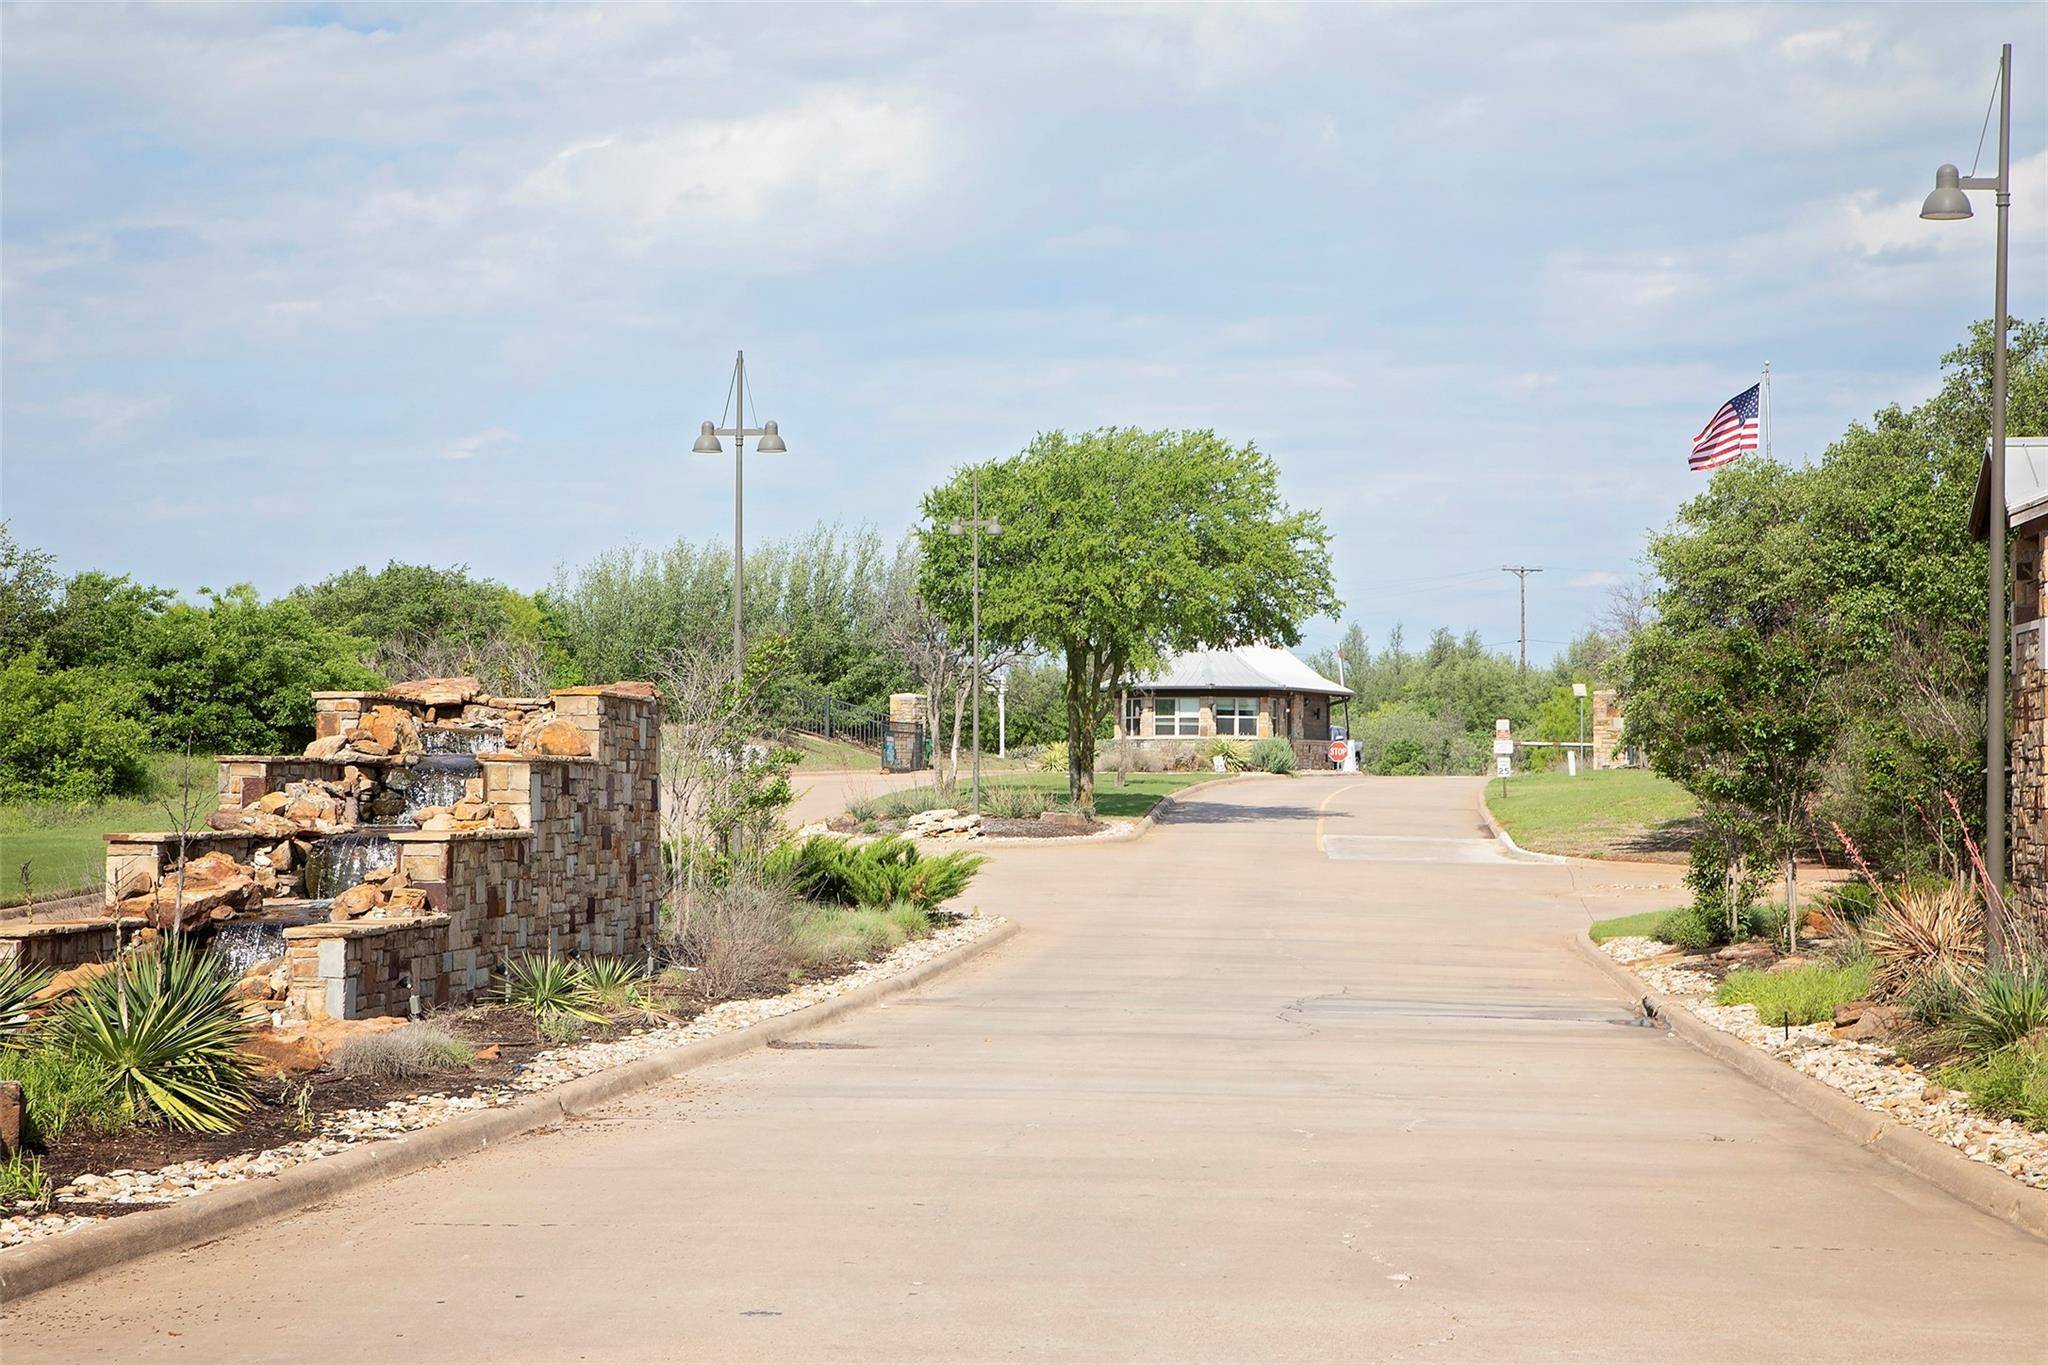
(65,849)
(1643,925)
(833,756)
(1129,802)
(1614,813)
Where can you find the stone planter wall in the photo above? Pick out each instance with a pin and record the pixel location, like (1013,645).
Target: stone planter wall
(354,971)
(57,944)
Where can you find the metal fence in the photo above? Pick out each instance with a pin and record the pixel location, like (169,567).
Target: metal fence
(820,714)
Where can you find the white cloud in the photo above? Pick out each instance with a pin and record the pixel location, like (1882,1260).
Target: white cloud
(478,443)
(1594,578)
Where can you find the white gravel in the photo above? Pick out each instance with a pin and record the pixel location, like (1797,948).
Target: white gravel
(1869,1073)
(339,1132)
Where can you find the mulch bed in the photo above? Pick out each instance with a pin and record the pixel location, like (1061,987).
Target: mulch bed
(274,1118)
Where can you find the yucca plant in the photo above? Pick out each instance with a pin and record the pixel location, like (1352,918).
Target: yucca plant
(18,988)
(550,986)
(615,982)
(170,1037)
(2004,1007)
(1926,932)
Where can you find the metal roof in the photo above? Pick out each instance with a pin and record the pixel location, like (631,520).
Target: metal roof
(1241,668)
(2026,485)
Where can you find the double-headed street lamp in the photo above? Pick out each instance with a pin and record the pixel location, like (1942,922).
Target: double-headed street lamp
(1946,204)
(769,444)
(979,526)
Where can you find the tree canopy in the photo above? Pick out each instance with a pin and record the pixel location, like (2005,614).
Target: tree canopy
(1120,547)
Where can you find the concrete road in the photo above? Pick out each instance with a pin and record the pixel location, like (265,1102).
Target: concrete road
(1308,1073)
(822,795)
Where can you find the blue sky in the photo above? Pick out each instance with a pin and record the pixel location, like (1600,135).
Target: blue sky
(291,289)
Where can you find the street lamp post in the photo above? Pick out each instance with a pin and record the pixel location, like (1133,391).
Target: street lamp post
(1946,204)
(977,524)
(769,444)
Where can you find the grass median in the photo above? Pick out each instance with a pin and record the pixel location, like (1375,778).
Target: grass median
(1613,813)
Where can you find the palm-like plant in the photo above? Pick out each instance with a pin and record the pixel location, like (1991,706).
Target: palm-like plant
(1926,933)
(2004,1008)
(550,986)
(169,1035)
(615,982)
(18,988)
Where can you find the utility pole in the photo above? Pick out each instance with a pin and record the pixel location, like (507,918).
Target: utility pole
(1522,572)
(770,443)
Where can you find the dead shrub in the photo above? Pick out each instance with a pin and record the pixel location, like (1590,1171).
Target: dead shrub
(733,943)
(403,1054)
(1926,936)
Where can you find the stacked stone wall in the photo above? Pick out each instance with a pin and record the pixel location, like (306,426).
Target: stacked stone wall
(2028,854)
(354,971)
(57,944)
(1606,730)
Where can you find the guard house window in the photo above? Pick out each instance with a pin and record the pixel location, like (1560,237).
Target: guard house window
(1237,716)
(1134,707)
(1177,716)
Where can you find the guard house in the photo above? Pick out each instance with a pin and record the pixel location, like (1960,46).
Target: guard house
(2026,507)
(1243,692)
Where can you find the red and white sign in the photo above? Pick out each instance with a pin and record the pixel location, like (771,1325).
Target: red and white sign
(1339,748)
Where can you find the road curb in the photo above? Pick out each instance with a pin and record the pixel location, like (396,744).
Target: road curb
(1976,1184)
(1507,841)
(53,1261)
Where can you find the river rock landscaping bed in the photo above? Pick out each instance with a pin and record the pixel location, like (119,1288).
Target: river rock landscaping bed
(1872,1074)
(86,1197)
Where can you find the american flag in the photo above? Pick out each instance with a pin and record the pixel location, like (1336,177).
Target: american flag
(1730,434)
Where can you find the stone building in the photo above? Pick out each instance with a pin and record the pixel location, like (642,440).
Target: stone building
(2026,501)
(1244,692)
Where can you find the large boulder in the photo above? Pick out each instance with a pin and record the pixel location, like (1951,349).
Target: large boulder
(356,902)
(437,691)
(557,738)
(210,882)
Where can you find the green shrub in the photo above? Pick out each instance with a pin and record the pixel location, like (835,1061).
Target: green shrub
(1802,995)
(60,1089)
(169,1035)
(561,1026)
(2004,1007)
(2011,1083)
(73,735)
(408,1053)
(21,1177)
(1765,922)
(1272,755)
(549,986)
(829,938)
(1054,759)
(18,986)
(1693,928)
(837,871)
(1402,758)
(1850,902)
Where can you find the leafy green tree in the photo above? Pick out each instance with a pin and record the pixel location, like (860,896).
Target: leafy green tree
(1119,547)
(236,674)
(28,591)
(99,620)
(72,734)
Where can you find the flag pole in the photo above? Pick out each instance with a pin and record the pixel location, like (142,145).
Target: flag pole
(1767,409)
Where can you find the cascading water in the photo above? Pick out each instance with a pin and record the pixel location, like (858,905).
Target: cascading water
(439,780)
(461,739)
(342,860)
(244,944)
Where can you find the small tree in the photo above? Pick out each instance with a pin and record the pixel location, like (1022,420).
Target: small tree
(1120,546)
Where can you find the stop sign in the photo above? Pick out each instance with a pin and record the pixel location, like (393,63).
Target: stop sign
(1338,748)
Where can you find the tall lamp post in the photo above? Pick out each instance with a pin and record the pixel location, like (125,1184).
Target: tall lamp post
(977,525)
(769,444)
(1946,204)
